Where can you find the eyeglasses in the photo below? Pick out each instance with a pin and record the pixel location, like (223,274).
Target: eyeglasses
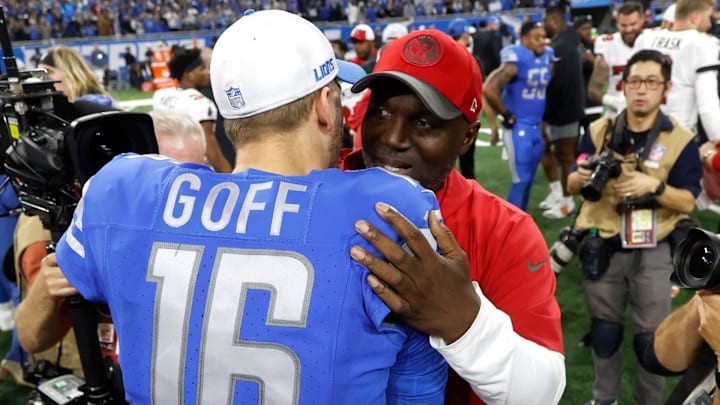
(651,83)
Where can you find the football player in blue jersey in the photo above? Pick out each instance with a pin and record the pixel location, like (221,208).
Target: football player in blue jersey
(516,90)
(238,288)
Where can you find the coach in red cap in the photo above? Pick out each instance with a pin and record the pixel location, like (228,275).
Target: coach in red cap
(503,336)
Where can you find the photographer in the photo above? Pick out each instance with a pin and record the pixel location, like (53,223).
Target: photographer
(42,318)
(639,183)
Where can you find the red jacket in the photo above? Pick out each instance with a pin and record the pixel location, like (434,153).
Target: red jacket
(508,258)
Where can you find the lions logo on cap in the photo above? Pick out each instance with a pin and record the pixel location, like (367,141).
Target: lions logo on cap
(235,97)
(422,50)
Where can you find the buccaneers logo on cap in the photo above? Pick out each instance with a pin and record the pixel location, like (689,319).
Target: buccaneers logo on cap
(423,50)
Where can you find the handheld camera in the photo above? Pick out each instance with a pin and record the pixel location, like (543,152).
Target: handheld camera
(604,167)
(49,147)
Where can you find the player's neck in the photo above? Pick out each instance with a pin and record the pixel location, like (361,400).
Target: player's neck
(185,84)
(290,154)
(683,25)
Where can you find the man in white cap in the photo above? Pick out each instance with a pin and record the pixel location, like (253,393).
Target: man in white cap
(393,31)
(363,40)
(668,18)
(356,103)
(390,33)
(230,288)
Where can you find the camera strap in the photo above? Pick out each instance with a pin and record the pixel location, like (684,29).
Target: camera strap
(620,127)
(653,135)
(616,130)
(704,364)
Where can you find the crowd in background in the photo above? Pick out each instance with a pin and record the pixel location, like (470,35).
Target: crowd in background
(44,19)
(484,41)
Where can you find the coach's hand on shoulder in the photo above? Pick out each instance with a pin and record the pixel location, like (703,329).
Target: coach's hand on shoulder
(432,292)
(58,286)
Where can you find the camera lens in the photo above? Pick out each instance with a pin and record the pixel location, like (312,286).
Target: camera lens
(701,261)
(560,256)
(591,191)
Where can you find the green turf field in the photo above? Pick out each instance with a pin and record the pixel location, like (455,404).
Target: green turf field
(493,173)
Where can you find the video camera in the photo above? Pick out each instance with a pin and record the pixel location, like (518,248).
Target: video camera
(696,262)
(49,148)
(604,167)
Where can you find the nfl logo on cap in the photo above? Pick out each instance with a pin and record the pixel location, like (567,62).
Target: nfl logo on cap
(235,97)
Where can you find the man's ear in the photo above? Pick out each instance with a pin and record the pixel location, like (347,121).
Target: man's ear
(470,136)
(324,110)
(668,87)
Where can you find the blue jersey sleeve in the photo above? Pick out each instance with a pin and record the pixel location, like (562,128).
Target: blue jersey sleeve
(80,251)
(550,52)
(420,373)
(75,258)
(8,197)
(509,54)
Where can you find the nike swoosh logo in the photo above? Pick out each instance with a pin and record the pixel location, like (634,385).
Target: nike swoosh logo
(535,267)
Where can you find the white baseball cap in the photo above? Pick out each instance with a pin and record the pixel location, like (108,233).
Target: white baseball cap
(362,32)
(271,58)
(393,31)
(669,14)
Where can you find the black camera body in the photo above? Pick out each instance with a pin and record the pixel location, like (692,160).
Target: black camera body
(42,370)
(48,155)
(604,167)
(696,262)
(49,147)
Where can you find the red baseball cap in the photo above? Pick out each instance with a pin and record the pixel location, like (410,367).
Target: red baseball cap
(441,72)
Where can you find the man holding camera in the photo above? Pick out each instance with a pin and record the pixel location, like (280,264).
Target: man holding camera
(640,181)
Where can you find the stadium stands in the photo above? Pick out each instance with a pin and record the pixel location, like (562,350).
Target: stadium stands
(46,19)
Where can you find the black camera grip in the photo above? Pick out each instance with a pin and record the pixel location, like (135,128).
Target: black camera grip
(84,320)
(83,315)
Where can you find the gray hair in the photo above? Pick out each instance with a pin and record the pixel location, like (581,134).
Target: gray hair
(176,123)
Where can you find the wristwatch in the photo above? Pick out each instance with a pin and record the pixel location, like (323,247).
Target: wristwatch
(660,189)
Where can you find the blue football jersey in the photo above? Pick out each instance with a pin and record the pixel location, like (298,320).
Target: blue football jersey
(239,288)
(524,96)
